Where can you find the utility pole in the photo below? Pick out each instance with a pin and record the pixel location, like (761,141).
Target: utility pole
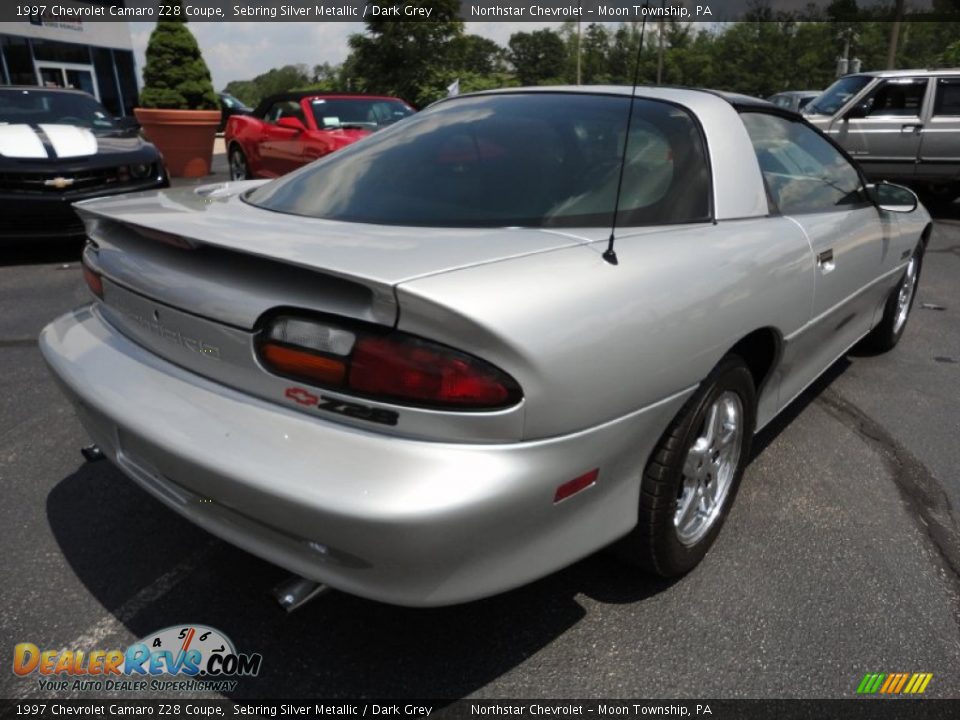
(894,37)
(660,52)
(843,62)
(578,50)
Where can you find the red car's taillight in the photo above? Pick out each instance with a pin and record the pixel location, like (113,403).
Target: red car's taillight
(389,366)
(93,279)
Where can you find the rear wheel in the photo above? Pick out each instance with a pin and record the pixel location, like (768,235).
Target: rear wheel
(239,170)
(693,475)
(896,312)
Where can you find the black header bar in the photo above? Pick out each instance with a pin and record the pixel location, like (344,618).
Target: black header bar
(470,10)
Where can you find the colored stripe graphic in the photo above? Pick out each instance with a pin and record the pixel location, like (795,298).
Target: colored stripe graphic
(894,683)
(903,680)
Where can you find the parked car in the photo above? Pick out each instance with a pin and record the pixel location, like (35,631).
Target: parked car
(289,130)
(60,146)
(794,100)
(901,125)
(230,106)
(420,370)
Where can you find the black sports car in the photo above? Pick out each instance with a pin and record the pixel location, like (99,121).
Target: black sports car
(58,147)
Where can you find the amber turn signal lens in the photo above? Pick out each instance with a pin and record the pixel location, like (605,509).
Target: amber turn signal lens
(322,370)
(94,281)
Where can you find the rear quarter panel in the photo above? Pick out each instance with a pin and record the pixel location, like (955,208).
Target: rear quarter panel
(590,342)
(246,131)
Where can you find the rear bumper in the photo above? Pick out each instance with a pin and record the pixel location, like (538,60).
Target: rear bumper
(397,520)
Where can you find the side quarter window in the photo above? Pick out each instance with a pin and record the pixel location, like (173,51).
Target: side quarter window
(947,102)
(804,173)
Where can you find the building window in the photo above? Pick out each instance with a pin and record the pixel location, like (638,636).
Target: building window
(61,52)
(16,55)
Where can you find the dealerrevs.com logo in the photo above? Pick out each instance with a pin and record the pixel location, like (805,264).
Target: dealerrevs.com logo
(181,657)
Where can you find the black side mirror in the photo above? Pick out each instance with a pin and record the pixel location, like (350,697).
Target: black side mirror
(860,110)
(893,198)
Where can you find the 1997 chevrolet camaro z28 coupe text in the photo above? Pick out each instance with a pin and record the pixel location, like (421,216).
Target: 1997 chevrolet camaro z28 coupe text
(413,371)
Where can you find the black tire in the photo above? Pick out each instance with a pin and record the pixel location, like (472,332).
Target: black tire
(238,160)
(655,544)
(888,332)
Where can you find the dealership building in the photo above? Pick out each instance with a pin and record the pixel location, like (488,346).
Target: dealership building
(96,57)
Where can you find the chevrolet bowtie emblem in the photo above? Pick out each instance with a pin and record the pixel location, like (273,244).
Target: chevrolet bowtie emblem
(59,183)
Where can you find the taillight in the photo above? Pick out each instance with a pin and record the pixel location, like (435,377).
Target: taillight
(390,366)
(93,279)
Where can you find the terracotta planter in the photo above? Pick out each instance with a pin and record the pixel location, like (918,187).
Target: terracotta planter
(185,137)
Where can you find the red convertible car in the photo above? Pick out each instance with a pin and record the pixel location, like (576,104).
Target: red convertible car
(292,129)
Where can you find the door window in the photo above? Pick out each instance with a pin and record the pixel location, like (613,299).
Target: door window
(897,98)
(803,171)
(947,102)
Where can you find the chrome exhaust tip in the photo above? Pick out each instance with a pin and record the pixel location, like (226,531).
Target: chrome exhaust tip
(296,592)
(92,453)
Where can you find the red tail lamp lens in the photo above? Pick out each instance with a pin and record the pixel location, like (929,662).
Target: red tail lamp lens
(94,281)
(393,367)
(416,370)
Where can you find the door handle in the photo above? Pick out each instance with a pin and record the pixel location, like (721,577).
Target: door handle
(825,261)
(911,128)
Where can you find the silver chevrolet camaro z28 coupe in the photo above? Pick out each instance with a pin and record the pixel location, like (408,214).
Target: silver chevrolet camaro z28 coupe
(416,370)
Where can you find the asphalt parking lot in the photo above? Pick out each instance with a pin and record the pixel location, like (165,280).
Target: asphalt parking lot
(841,556)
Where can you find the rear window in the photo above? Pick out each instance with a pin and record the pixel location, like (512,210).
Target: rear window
(511,160)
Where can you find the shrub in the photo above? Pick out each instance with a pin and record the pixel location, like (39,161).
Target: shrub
(176,77)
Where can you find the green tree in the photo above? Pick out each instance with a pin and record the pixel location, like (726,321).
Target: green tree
(276,80)
(595,47)
(474,82)
(175,76)
(538,57)
(326,73)
(623,54)
(951,56)
(475,54)
(411,60)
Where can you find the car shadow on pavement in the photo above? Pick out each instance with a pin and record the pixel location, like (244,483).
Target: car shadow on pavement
(40,252)
(946,212)
(151,569)
(790,413)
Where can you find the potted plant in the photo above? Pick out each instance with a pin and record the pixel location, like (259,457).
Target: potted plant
(178,109)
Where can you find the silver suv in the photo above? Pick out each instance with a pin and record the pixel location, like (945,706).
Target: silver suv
(900,125)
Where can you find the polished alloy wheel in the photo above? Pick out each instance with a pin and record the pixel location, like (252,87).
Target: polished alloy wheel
(238,166)
(907,287)
(709,469)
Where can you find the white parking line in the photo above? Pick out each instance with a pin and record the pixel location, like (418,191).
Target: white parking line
(112,624)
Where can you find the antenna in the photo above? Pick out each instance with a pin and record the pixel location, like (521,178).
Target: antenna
(610,254)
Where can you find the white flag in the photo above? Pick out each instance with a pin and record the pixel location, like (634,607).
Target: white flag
(453,88)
